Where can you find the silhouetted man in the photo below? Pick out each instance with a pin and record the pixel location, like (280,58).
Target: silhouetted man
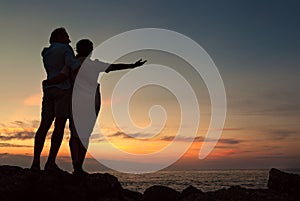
(56,97)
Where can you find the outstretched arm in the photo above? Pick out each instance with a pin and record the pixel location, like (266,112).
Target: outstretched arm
(115,67)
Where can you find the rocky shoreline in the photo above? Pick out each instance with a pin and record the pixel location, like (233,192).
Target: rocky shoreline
(17,184)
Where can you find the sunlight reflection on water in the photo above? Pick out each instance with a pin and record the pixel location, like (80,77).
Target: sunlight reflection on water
(205,180)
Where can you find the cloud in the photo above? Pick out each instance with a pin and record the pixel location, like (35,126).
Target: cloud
(97,138)
(13,145)
(281,156)
(17,135)
(131,136)
(119,134)
(223,147)
(201,139)
(18,130)
(231,129)
(25,130)
(33,100)
(167,138)
(280,134)
(21,124)
(283,132)
(230,141)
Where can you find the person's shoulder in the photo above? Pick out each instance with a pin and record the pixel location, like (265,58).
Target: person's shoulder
(44,51)
(57,48)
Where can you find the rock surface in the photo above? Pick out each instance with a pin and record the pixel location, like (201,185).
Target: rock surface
(21,184)
(284,183)
(160,193)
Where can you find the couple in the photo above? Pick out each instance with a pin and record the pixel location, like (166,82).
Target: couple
(62,66)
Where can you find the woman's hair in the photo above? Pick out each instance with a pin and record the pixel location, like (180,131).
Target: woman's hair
(56,33)
(84,47)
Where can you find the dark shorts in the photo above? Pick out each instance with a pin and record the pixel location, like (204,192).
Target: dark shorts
(56,103)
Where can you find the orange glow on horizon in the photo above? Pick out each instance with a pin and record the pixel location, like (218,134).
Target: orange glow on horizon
(130,145)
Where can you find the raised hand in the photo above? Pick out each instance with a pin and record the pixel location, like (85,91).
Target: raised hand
(139,63)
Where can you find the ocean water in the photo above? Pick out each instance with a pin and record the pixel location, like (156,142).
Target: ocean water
(205,180)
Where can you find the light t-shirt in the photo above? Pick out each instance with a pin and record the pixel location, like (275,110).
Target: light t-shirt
(89,70)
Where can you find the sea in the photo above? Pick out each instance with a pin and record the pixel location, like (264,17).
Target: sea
(209,180)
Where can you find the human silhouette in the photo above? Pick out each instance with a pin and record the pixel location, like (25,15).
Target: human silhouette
(55,103)
(79,143)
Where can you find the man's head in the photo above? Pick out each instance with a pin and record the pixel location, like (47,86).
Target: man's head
(59,35)
(84,47)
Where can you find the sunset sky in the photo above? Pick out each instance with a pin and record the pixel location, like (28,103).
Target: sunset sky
(254,44)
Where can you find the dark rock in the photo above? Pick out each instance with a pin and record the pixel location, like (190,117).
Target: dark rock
(193,194)
(160,193)
(191,190)
(282,182)
(132,195)
(21,184)
(237,193)
(233,193)
(17,184)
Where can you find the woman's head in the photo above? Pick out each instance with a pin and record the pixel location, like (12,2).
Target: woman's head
(84,47)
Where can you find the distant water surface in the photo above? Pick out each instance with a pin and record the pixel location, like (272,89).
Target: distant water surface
(205,180)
